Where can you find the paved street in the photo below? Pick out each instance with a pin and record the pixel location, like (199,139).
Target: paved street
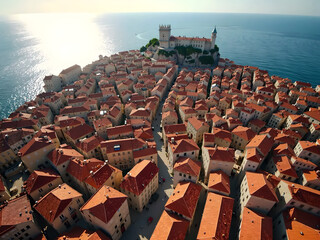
(139,228)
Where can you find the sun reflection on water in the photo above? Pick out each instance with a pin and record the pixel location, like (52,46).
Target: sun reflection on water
(65,39)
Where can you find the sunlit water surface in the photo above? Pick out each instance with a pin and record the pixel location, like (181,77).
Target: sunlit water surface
(35,45)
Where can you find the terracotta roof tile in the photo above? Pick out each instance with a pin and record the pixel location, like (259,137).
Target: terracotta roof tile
(216,217)
(184,199)
(40,178)
(78,233)
(80,169)
(10,214)
(219,181)
(184,145)
(139,177)
(255,225)
(62,155)
(260,187)
(54,203)
(105,203)
(188,166)
(170,226)
(300,224)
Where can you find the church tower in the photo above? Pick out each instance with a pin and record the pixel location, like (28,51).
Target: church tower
(213,37)
(164,35)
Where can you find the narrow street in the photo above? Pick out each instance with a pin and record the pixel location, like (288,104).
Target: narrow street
(139,228)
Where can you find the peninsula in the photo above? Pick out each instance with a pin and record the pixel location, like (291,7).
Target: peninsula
(167,142)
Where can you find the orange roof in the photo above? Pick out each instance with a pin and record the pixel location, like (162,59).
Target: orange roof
(222,134)
(170,226)
(100,176)
(175,128)
(144,133)
(184,199)
(54,203)
(88,144)
(78,233)
(105,203)
(300,224)
(221,154)
(283,150)
(260,187)
(304,194)
(80,169)
(219,181)
(216,217)
(255,225)
(125,145)
(283,164)
(263,142)
(17,211)
(310,146)
(139,177)
(34,145)
(244,133)
(188,166)
(184,145)
(62,155)
(122,129)
(312,176)
(40,178)
(80,131)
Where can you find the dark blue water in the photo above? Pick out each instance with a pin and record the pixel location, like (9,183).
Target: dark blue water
(288,46)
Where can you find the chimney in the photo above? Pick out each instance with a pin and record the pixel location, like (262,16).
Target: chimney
(172,139)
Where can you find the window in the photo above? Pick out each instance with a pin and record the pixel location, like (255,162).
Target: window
(27,227)
(50,184)
(180,174)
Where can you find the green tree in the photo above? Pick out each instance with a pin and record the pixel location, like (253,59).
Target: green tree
(153,42)
(143,49)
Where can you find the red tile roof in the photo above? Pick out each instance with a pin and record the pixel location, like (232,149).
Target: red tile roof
(184,145)
(300,224)
(10,214)
(125,145)
(105,203)
(119,130)
(283,164)
(216,217)
(80,131)
(37,179)
(244,133)
(255,225)
(100,176)
(80,169)
(62,155)
(260,187)
(78,233)
(170,226)
(219,181)
(88,144)
(56,201)
(139,177)
(263,142)
(304,194)
(184,199)
(221,154)
(188,166)
(175,128)
(34,145)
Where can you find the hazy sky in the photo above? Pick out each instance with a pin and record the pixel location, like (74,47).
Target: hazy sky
(293,7)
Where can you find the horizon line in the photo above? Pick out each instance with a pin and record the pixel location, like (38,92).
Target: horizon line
(101,13)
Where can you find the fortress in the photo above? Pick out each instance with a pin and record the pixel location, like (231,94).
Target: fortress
(168,41)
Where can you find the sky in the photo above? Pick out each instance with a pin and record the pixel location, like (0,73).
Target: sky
(291,7)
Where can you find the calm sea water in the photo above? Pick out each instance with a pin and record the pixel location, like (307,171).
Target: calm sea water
(32,46)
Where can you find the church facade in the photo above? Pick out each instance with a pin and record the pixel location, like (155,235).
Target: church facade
(169,42)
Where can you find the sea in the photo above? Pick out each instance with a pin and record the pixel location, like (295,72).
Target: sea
(35,45)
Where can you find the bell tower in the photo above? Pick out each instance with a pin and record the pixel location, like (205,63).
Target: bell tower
(164,35)
(213,38)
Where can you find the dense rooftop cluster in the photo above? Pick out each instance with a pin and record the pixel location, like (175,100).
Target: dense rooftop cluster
(242,147)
